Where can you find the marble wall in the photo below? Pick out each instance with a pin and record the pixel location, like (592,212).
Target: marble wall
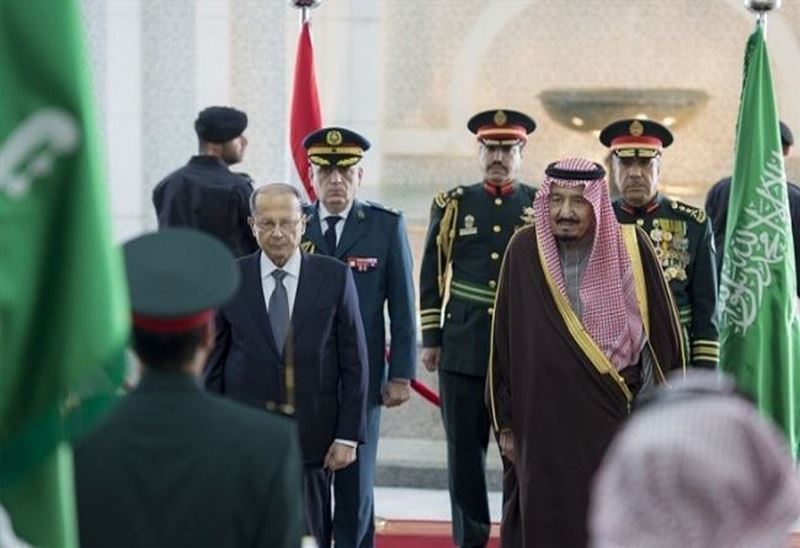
(408,74)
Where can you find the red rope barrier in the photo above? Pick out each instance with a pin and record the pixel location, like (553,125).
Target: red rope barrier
(426,392)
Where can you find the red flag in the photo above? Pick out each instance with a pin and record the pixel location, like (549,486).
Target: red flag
(306,115)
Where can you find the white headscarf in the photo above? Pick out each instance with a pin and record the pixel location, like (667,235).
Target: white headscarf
(702,469)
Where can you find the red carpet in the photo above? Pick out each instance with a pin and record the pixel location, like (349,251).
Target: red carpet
(420,534)
(436,534)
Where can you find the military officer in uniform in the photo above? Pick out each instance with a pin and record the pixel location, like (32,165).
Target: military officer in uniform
(172,465)
(681,234)
(205,194)
(469,229)
(371,239)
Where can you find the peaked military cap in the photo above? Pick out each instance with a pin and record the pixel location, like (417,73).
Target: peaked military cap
(220,124)
(787,139)
(501,127)
(634,137)
(176,277)
(335,146)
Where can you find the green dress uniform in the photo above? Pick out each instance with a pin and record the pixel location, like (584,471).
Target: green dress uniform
(684,243)
(171,465)
(470,227)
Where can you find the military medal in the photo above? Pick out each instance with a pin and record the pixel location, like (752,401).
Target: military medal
(469,226)
(527,216)
(656,234)
(362,264)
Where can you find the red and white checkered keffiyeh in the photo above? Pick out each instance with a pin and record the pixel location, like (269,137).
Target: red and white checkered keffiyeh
(610,311)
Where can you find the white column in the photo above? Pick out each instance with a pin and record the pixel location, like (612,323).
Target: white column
(168,92)
(258,58)
(349,50)
(123,111)
(213,58)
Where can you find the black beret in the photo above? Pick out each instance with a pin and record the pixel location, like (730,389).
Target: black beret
(501,125)
(220,124)
(787,139)
(177,274)
(335,146)
(633,133)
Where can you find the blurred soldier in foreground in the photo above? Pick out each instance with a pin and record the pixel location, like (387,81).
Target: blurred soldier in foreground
(172,465)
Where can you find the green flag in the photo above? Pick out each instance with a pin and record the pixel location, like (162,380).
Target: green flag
(760,335)
(63,305)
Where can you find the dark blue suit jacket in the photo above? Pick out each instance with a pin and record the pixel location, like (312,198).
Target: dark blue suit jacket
(330,361)
(375,245)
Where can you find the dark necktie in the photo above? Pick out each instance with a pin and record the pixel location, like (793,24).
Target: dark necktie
(279,310)
(330,234)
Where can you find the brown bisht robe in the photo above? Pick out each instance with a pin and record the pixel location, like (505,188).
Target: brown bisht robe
(562,411)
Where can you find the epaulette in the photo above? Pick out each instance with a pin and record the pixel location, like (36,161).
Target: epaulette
(696,213)
(308,246)
(444,197)
(381,207)
(244,176)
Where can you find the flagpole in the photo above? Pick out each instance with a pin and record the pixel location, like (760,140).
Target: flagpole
(305,7)
(761,8)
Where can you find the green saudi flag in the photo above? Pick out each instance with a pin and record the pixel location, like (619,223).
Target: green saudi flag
(63,304)
(760,335)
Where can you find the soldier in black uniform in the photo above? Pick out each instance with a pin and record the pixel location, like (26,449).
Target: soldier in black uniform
(680,233)
(205,194)
(469,230)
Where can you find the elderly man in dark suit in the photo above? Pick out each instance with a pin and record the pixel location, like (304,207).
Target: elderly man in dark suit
(293,338)
(371,239)
(172,465)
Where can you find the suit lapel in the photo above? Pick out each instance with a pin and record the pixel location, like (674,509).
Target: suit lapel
(254,297)
(354,227)
(314,231)
(308,287)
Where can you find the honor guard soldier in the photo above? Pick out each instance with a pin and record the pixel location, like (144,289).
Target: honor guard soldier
(371,239)
(172,465)
(470,227)
(205,194)
(681,234)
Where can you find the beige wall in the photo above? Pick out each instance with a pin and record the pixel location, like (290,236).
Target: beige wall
(506,53)
(408,74)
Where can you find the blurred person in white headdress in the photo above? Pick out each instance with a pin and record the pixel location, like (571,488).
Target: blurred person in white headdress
(697,466)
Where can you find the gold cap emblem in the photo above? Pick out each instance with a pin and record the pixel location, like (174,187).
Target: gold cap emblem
(636,128)
(333,138)
(500,118)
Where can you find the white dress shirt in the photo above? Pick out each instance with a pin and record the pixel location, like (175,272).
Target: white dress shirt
(292,269)
(324,214)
